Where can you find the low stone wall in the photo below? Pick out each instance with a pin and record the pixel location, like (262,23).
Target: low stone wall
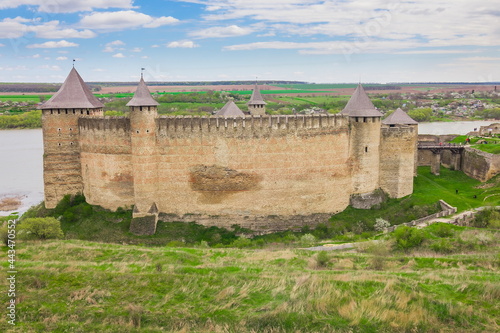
(258,224)
(447,210)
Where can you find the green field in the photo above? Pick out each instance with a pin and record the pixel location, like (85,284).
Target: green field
(81,286)
(23,98)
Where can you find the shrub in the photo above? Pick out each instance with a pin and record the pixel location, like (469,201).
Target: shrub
(443,230)
(381,224)
(307,240)
(40,228)
(322,259)
(442,246)
(4,235)
(241,243)
(407,237)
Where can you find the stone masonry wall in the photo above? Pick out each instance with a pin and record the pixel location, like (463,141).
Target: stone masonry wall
(479,164)
(254,166)
(106,161)
(61,159)
(397,157)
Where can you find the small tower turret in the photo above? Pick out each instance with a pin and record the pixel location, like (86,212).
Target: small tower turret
(364,141)
(143,114)
(62,168)
(256,104)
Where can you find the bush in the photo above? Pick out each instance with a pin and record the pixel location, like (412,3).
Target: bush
(407,238)
(322,259)
(241,243)
(488,218)
(442,246)
(443,230)
(307,240)
(40,228)
(381,224)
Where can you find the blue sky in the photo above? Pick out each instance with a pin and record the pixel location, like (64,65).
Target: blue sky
(307,40)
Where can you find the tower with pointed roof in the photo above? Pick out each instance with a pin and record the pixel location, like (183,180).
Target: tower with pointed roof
(60,114)
(398,154)
(364,120)
(256,104)
(143,114)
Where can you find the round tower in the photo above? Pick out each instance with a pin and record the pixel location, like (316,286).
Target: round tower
(256,104)
(60,114)
(364,149)
(143,114)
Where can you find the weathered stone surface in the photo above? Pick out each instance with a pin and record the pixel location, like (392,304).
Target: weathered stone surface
(368,200)
(145,225)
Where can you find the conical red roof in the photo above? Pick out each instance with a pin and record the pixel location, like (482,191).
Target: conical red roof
(359,105)
(142,96)
(73,94)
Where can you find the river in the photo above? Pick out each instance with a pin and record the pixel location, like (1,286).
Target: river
(21,159)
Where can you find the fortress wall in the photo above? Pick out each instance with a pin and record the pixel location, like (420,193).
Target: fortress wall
(397,156)
(271,166)
(364,150)
(479,164)
(106,161)
(61,160)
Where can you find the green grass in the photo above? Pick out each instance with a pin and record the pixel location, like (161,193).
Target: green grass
(23,98)
(84,286)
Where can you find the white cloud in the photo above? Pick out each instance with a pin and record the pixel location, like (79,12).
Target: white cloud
(52,45)
(52,68)
(145,57)
(218,32)
(118,55)
(62,58)
(67,6)
(137,49)
(112,46)
(187,44)
(52,29)
(120,20)
(35,56)
(436,23)
(98,70)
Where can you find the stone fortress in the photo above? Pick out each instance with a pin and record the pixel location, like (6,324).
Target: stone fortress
(262,172)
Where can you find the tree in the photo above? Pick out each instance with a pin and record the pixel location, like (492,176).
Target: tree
(40,228)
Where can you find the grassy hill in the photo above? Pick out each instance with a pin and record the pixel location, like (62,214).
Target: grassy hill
(81,286)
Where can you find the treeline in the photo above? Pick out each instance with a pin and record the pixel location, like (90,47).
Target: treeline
(382,87)
(37,87)
(30,119)
(489,113)
(195,83)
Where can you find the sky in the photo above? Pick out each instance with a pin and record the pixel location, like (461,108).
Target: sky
(320,41)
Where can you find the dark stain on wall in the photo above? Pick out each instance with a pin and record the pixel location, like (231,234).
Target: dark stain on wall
(215,182)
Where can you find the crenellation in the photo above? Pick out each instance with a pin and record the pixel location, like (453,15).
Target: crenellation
(291,166)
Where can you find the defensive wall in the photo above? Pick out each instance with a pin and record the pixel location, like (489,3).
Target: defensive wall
(259,166)
(473,162)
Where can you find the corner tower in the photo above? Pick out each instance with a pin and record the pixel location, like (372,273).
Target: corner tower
(61,162)
(364,142)
(398,154)
(256,104)
(143,114)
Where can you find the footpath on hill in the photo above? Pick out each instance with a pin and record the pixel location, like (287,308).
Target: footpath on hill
(462,216)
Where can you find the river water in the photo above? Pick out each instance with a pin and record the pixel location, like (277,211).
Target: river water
(21,159)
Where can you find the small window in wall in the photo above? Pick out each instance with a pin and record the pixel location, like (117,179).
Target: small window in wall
(71,143)
(59,144)
(137,132)
(88,112)
(366,149)
(147,131)
(59,130)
